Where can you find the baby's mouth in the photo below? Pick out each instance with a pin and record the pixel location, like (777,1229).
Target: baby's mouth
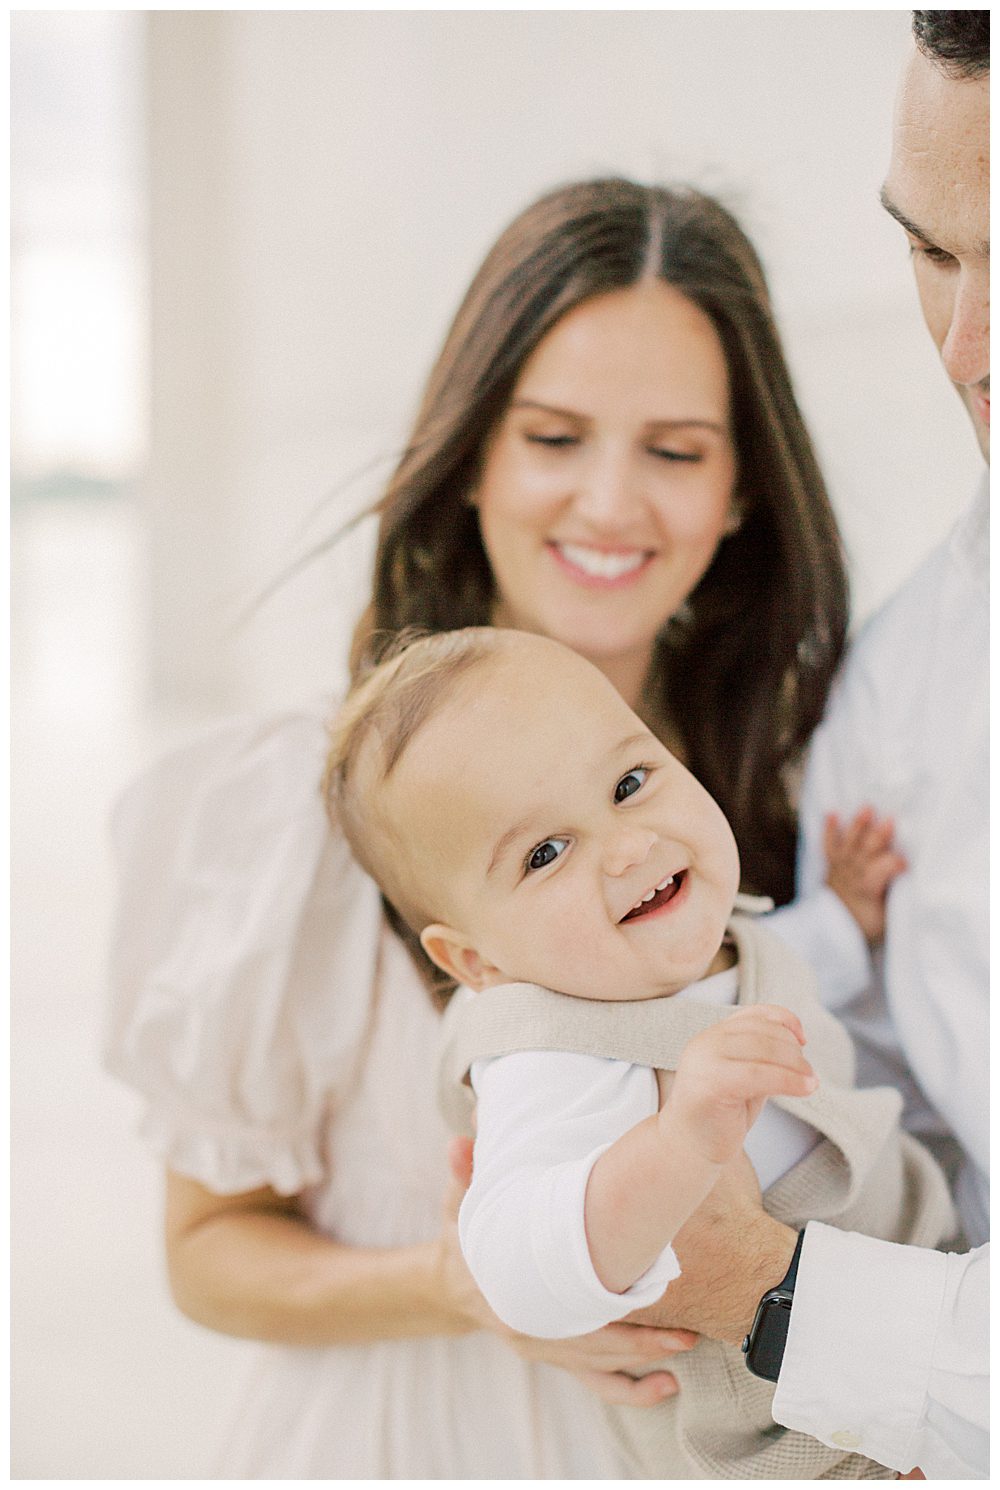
(657,897)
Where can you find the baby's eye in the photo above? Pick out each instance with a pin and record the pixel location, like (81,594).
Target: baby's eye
(631,782)
(545,853)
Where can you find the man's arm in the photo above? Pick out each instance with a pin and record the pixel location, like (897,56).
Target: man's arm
(887,1343)
(887,1353)
(730,1253)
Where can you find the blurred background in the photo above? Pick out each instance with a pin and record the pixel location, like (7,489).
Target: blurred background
(238,238)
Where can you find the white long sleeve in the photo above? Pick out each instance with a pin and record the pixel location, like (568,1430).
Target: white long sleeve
(543,1118)
(820,928)
(908,732)
(887,1344)
(902,1369)
(542,1121)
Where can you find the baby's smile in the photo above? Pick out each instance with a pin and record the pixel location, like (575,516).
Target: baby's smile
(659,897)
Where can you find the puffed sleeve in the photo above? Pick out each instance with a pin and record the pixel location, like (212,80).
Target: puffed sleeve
(243,956)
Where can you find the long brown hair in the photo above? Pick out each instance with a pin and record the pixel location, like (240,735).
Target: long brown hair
(742,672)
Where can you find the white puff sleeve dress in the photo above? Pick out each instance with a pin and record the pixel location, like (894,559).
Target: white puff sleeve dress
(280,1035)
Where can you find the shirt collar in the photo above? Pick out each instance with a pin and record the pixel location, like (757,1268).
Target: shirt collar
(969,546)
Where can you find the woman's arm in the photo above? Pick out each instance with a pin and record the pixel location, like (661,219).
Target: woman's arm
(252,1265)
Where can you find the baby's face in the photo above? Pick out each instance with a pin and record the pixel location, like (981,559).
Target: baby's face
(558,838)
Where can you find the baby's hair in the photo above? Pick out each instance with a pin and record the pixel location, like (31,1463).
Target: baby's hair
(385,709)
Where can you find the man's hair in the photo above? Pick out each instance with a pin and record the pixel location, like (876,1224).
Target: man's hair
(958,41)
(384,711)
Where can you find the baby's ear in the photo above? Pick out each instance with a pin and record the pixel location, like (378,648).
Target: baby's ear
(453,954)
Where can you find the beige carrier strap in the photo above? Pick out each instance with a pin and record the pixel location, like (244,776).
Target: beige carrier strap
(522,1016)
(644,1032)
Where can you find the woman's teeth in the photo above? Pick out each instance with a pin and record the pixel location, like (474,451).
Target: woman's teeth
(654,891)
(602,565)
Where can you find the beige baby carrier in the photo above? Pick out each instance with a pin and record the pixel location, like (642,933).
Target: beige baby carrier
(864,1175)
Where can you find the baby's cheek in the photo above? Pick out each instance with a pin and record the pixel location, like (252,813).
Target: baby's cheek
(578,957)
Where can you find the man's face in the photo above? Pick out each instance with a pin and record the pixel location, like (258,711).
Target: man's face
(938,190)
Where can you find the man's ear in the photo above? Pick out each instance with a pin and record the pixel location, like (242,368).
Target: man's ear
(454,955)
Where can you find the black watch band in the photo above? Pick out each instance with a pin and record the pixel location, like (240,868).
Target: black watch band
(764,1347)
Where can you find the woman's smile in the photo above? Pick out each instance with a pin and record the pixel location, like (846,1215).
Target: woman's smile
(600,566)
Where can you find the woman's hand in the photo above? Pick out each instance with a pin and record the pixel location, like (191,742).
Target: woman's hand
(609,1362)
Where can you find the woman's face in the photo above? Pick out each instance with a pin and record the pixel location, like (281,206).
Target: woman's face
(608,483)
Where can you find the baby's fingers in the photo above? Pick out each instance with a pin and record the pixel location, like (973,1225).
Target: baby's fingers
(753,1057)
(753,1080)
(833,835)
(865,835)
(778,1079)
(763,1015)
(882,870)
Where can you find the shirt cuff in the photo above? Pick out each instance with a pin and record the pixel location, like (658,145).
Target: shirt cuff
(857,1360)
(821,929)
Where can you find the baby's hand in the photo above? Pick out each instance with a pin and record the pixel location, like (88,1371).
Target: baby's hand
(861,865)
(727,1073)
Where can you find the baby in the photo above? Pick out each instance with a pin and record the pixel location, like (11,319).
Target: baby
(565,869)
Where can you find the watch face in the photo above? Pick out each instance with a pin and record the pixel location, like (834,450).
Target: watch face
(766,1346)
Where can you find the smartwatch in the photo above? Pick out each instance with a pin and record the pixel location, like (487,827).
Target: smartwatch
(764,1347)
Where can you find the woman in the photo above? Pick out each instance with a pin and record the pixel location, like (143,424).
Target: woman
(608,452)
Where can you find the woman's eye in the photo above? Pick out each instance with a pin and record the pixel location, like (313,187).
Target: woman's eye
(552,442)
(545,853)
(630,783)
(691,457)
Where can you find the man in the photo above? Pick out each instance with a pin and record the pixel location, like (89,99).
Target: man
(886,1347)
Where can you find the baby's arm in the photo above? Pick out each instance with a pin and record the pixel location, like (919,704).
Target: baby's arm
(647,1184)
(543,1118)
(861,865)
(533,1224)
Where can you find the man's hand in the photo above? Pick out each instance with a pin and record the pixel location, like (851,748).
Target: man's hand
(731,1252)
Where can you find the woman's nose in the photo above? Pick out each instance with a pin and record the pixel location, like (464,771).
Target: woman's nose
(965,350)
(607,492)
(627,849)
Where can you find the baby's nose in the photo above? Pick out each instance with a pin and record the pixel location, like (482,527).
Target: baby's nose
(629,848)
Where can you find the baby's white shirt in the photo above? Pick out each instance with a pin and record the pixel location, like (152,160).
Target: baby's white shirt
(543,1119)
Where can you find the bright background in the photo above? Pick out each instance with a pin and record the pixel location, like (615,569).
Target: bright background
(237,241)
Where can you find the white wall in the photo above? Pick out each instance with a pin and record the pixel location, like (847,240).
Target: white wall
(325,184)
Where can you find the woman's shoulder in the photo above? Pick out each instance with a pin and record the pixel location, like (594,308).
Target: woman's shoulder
(230,827)
(231,794)
(282,751)
(244,952)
